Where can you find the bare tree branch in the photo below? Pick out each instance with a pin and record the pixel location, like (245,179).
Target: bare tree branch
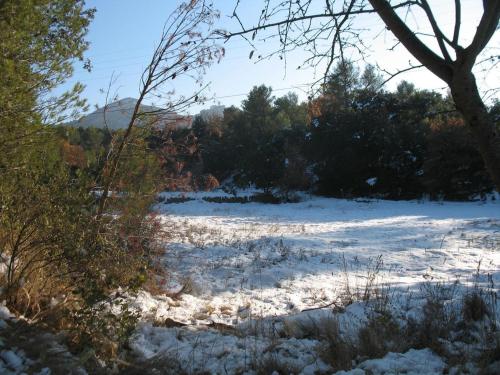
(485,30)
(327,35)
(408,38)
(438,34)
(458,21)
(397,73)
(185,49)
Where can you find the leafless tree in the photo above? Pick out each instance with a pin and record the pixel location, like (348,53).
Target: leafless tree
(186,48)
(328,29)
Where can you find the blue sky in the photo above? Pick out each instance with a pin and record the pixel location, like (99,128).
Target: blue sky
(124,32)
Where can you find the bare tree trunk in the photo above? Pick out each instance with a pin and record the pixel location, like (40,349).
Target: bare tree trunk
(469,103)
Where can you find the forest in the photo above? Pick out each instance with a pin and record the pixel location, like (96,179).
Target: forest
(353,140)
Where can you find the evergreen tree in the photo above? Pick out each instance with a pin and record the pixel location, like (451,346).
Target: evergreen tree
(50,244)
(290,113)
(39,39)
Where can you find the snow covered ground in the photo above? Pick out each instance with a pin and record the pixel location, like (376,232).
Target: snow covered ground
(249,268)
(27,349)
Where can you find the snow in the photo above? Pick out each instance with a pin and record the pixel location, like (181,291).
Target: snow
(13,362)
(413,362)
(252,267)
(117,115)
(33,349)
(372,181)
(11,359)
(218,193)
(410,155)
(215,353)
(4,312)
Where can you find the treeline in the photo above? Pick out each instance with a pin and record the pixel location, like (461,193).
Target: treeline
(352,140)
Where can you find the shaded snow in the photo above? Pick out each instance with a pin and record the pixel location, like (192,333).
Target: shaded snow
(33,351)
(13,361)
(413,362)
(245,262)
(4,312)
(285,258)
(210,351)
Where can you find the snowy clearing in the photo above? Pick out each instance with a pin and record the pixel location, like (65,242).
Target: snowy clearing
(251,269)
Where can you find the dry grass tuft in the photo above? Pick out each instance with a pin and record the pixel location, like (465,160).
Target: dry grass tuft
(157,365)
(381,335)
(474,307)
(271,364)
(337,350)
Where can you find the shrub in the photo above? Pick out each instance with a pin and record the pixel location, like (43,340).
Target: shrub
(336,349)
(61,263)
(436,324)
(453,167)
(272,364)
(207,182)
(382,334)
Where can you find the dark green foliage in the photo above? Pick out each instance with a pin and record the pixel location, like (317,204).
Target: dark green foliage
(453,168)
(290,113)
(61,263)
(373,142)
(214,144)
(474,307)
(360,141)
(253,135)
(260,198)
(256,145)
(398,145)
(39,39)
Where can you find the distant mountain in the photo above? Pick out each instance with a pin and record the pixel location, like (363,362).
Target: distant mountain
(119,113)
(212,112)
